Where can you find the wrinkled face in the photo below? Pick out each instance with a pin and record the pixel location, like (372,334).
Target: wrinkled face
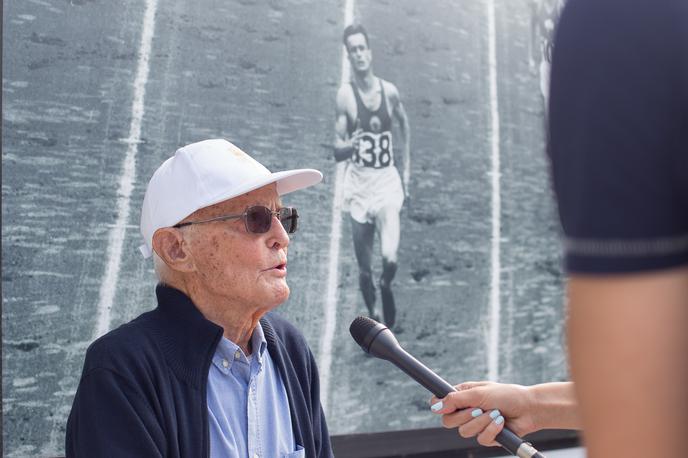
(359,53)
(235,265)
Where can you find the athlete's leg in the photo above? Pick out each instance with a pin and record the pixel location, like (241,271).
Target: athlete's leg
(389,230)
(364,236)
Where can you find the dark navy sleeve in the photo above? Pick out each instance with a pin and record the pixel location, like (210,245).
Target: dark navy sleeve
(618,134)
(110,418)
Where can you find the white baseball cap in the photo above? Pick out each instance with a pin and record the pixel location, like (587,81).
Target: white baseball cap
(203,174)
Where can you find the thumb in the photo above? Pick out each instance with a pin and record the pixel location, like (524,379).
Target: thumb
(468,385)
(459,400)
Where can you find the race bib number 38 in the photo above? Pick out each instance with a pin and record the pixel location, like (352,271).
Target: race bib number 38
(374,150)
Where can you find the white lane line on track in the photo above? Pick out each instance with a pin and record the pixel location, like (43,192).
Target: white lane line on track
(116,236)
(330,306)
(494,324)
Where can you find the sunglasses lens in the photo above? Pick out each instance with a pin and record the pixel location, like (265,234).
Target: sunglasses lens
(258,219)
(289,219)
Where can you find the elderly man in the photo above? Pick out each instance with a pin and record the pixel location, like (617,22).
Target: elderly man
(210,372)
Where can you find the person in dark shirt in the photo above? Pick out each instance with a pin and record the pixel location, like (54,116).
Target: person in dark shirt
(619,154)
(211,372)
(618,133)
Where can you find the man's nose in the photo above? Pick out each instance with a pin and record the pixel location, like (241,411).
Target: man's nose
(278,235)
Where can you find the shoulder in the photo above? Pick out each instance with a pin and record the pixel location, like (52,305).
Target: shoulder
(393,97)
(643,24)
(622,216)
(390,90)
(346,101)
(345,93)
(124,349)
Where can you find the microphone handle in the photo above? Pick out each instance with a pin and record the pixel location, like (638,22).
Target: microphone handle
(440,388)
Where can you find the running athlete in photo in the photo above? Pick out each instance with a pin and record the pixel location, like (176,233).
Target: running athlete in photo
(374,192)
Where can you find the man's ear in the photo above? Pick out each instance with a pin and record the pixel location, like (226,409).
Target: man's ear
(168,243)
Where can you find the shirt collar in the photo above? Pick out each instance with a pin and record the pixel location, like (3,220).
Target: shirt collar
(227,352)
(258,342)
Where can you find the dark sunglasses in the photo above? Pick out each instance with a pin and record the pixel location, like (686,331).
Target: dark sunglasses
(258,219)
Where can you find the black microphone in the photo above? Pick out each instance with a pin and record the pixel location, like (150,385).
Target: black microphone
(377,340)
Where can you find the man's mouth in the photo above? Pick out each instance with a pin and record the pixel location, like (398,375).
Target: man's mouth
(280,267)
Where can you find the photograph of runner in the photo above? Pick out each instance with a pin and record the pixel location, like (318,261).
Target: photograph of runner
(373,190)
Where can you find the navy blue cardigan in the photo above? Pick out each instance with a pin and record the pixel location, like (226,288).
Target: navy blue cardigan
(142,392)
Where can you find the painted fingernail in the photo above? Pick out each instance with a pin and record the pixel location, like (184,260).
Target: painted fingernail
(499,420)
(476,413)
(436,406)
(494,414)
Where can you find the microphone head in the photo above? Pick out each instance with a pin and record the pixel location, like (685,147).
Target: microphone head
(364,330)
(367,331)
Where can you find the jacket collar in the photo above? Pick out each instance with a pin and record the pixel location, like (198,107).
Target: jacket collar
(187,339)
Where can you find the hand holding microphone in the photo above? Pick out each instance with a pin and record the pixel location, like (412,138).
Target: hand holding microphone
(375,339)
(470,409)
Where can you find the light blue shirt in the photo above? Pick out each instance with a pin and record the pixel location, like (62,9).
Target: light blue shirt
(248,408)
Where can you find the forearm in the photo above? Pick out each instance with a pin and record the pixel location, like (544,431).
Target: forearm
(627,348)
(406,133)
(342,151)
(406,173)
(554,406)
(343,139)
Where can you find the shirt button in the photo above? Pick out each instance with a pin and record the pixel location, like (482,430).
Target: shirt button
(237,355)
(225,363)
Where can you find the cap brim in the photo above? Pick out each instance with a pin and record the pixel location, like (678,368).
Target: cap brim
(287,181)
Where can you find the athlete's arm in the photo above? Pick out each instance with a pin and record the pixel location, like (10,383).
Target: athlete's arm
(400,114)
(343,144)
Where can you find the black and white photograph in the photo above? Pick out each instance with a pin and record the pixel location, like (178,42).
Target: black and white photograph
(435,215)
